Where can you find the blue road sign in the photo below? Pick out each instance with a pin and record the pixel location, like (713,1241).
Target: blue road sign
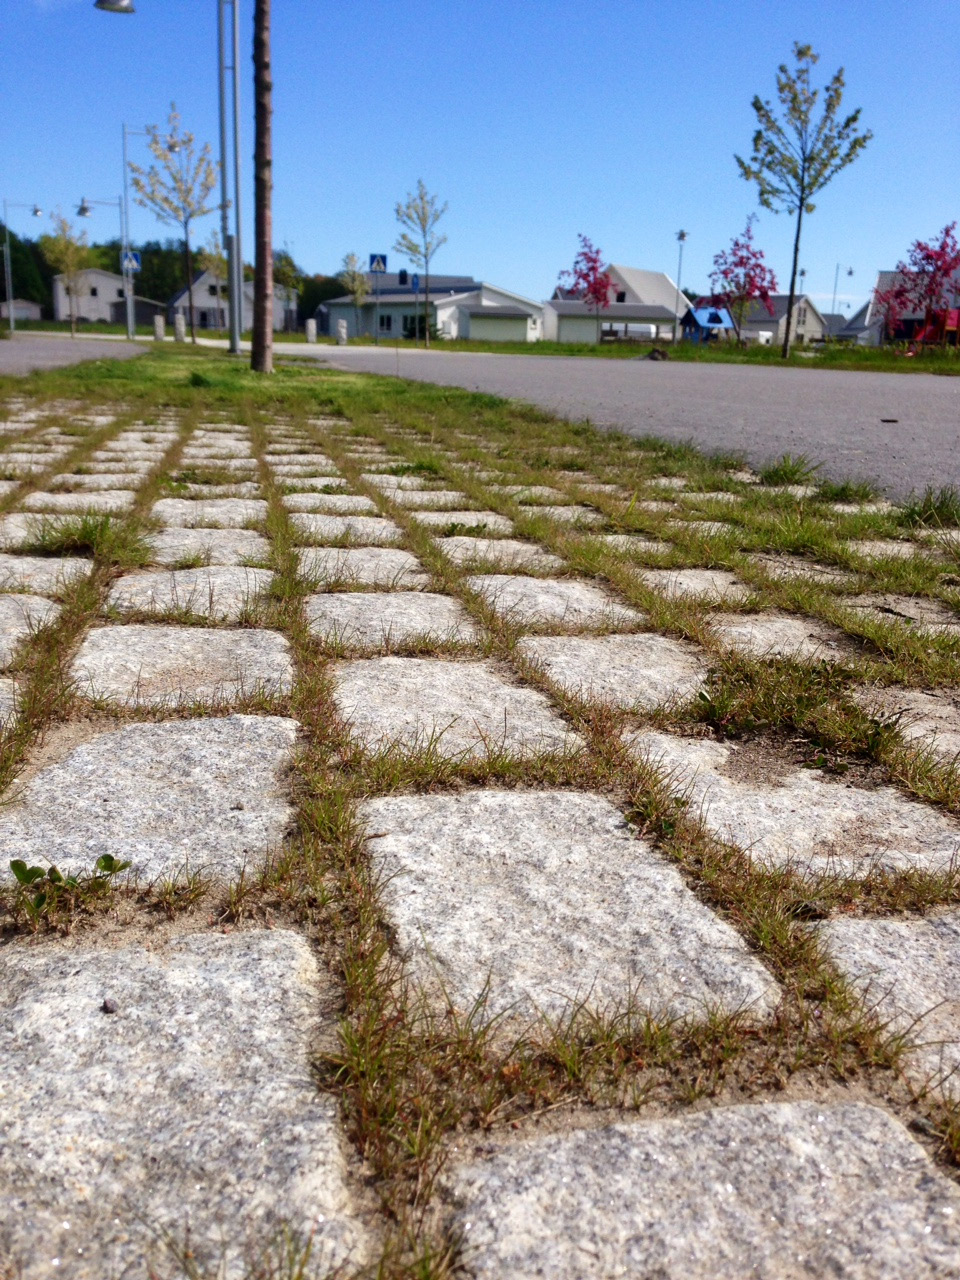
(131,260)
(378,263)
(415,283)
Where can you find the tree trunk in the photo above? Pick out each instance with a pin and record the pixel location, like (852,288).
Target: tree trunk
(785,350)
(71,293)
(426,302)
(189,257)
(261,350)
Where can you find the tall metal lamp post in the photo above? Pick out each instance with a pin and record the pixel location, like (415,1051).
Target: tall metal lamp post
(836,281)
(7,259)
(228,60)
(681,237)
(84,210)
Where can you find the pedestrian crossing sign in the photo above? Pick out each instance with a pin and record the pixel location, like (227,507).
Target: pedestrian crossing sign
(378,263)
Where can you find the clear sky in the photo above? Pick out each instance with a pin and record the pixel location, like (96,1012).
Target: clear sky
(535,119)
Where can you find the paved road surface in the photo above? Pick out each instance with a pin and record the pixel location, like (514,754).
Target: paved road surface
(26,352)
(838,418)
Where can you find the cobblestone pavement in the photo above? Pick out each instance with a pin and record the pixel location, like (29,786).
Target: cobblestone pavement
(537,868)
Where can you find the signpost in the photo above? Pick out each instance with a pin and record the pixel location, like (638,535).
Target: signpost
(378,266)
(131,261)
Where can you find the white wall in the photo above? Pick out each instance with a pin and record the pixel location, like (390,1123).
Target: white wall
(89,306)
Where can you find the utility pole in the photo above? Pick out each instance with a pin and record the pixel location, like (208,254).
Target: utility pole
(261,355)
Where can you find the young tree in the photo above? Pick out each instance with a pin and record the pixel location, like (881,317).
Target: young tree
(419,240)
(590,278)
(261,348)
(794,155)
(740,276)
(356,283)
(212,258)
(176,188)
(289,277)
(68,254)
(931,276)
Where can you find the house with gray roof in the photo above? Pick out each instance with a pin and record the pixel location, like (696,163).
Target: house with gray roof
(644,305)
(806,323)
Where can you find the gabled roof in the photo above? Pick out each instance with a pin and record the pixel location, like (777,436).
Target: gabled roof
(615,311)
(207,277)
(710,317)
(390,283)
(757,313)
(653,288)
(95,271)
(499,312)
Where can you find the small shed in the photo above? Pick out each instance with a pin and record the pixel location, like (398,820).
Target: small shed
(708,324)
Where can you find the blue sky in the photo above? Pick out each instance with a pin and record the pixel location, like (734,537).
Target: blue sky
(535,120)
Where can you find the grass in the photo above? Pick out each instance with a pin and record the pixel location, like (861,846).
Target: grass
(415,1074)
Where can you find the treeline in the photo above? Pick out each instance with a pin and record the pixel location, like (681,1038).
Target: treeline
(162,273)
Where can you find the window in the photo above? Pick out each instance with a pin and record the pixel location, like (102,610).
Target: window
(212,290)
(93,291)
(119,293)
(386,324)
(622,295)
(801,315)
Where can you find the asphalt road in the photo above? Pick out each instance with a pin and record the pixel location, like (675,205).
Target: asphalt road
(25,353)
(901,430)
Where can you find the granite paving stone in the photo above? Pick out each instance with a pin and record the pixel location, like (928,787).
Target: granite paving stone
(360,530)
(708,584)
(928,719)
(633,545)
(790,815)
(545,899)
(219,513)
(20,617)
(109,480)
(632,671)
(143,665)
(337,503)
(373,619)
(223,593)
(293,484)
(908,973)
(915,612)
(193,1105)
(777,635)
(465,521)
(214,546)
(825,575)
(505,553)
(42,575)
(460,709)
(367,566)
(104,500)
(553,601)
(424,499)
(884,549)
(776,1191)
(572,514)
(210,793)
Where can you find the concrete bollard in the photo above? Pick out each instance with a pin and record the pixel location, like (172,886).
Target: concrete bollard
(341,333)
(311,330)
(179,327)
(159,329)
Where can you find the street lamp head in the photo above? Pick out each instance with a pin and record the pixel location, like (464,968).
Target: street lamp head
(681,236)
(37,211)
(115,6)
(83,209)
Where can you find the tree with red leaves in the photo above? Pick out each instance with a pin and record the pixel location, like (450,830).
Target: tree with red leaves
(927,284)
(590,278)
(741,276)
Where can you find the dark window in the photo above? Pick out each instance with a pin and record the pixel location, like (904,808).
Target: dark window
(402,278)
(622,295)
(119,293)
(212,290)
(386,324)
(93,291)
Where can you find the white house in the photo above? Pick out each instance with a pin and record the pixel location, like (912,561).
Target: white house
(96,292)
(24,310)
(210,308)
(806,325)
(643,305)
(459,307)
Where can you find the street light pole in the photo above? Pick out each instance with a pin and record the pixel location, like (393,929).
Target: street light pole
(7,255)
(681,236)
(836,280)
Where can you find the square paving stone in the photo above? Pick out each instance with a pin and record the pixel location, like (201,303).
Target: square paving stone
(908,973)
(543,899)
(774,635)
(217,513)
(112,480)
(777,1191)
(702,528)
(641,671)
(461,709)
(214,546)
(106,500)
(20,616)
(44,575)
(824,575)
(160,666)
(360,530)
(915,612)
(374,620)
(338,503)
(883,549)
(367,566)
(311,467)
(194,1103)
(460,522)
(423,499)
(210,793)
(222,593)
(796,816)
(633,545)
(505,553)
(930,720)
(554,601)
(390,484)
(243,489)
(572,514)
(707,584)
(314,483)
